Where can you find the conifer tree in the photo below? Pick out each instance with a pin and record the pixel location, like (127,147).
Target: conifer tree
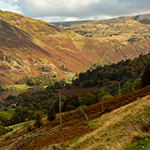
(38,121)
(51,113)
(146,76)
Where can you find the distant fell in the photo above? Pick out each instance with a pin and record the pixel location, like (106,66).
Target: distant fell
(123,30)
(105,21)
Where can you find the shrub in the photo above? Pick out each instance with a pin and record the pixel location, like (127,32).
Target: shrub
(5,109)
(70,107)
(87,99)
(68,86)
(29,128)
(105,97)
(15,118)
(102,94)
(3,120)
(3,130)
(38,121)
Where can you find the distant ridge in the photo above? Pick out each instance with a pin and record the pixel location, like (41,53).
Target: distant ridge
(106,21)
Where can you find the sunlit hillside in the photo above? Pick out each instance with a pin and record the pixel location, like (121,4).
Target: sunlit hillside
(30,47)
(117,129)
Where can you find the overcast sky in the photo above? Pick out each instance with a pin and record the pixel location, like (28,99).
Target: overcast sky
(71,10)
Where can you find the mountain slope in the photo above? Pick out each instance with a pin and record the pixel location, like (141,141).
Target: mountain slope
(106,21)
(30,47)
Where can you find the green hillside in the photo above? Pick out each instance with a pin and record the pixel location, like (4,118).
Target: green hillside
(7,113)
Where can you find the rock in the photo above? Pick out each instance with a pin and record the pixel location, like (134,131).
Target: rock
(53,147)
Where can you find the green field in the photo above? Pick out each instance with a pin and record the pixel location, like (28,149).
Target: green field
(18,87)
(8,113)
(20,124)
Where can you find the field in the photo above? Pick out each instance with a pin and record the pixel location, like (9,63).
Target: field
(18,87)
(8,113)
(20,124)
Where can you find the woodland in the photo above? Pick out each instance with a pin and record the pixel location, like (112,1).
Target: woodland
(130,75)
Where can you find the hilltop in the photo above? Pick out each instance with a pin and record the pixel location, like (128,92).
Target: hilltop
(30,47)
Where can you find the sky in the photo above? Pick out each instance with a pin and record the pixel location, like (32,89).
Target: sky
(73,10)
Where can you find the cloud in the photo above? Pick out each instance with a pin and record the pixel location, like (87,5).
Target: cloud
(56,10)
(63,8)
(10,5)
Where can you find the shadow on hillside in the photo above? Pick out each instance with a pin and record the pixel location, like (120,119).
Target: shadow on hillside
(14,37)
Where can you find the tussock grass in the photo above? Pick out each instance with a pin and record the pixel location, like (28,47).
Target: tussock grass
(117,129)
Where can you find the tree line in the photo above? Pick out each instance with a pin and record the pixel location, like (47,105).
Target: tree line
(107,76)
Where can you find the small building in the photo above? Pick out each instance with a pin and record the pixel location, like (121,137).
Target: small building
(13,105)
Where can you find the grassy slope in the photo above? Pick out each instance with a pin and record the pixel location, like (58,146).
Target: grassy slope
(122,37)
(8,113)
(118,128)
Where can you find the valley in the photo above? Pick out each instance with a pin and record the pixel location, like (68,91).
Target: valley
(96,72)
(32,47)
